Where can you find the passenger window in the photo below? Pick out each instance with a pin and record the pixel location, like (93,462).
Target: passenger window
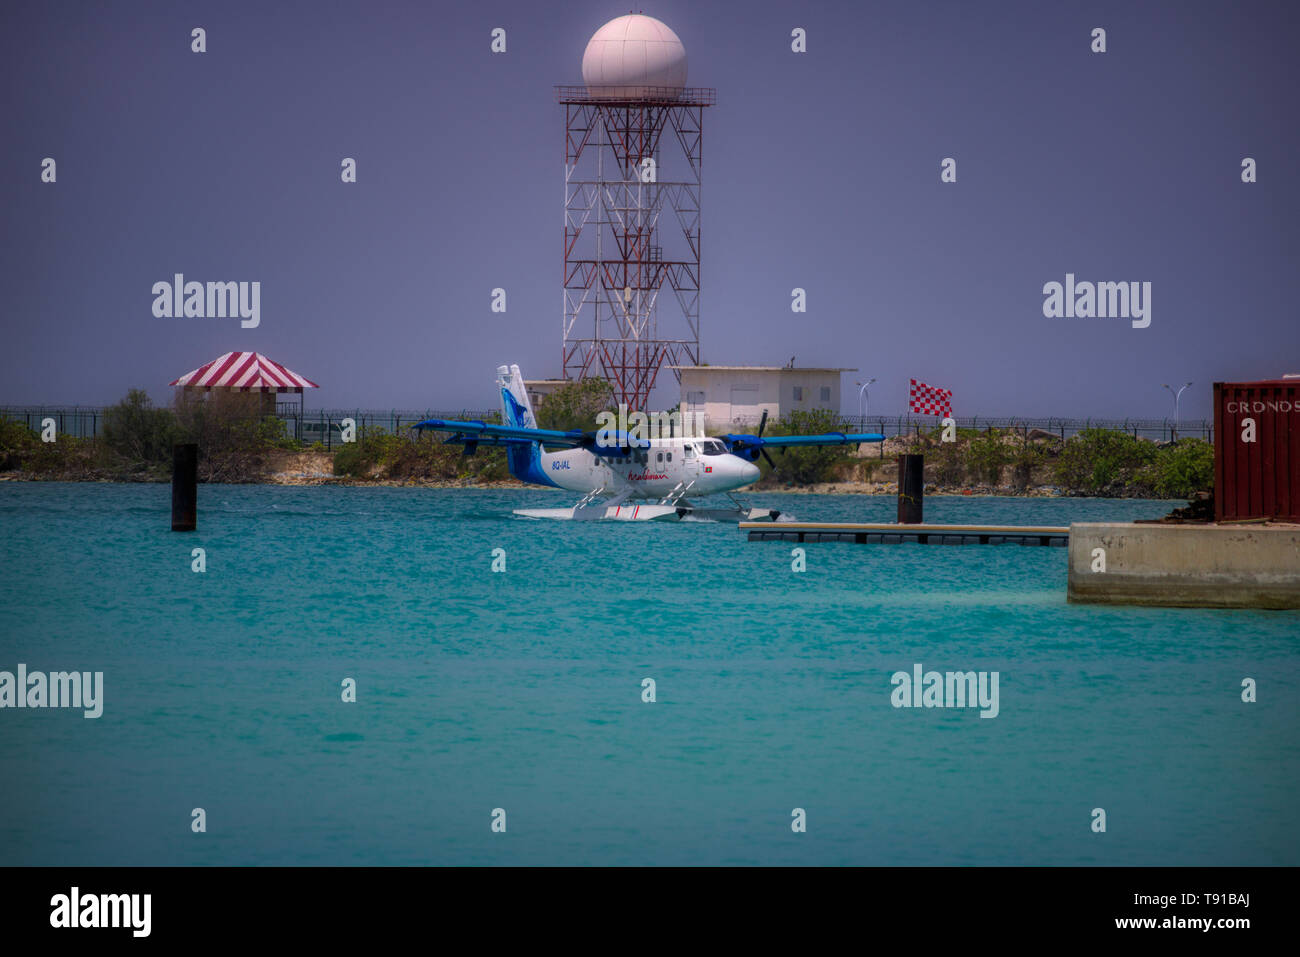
(670,456)
(661,457)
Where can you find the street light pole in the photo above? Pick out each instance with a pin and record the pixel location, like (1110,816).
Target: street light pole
(862,400)
(1173,432)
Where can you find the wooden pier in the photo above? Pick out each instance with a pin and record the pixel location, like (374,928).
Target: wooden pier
(887,533)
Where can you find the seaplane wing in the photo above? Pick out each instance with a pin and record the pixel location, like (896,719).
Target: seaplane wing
(608,442)
(787,441)
(487,434)
(751,445)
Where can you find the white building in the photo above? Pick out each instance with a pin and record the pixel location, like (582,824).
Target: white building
(738,395)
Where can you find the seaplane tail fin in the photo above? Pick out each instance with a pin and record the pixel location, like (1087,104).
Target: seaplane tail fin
(524,460)
(516,409)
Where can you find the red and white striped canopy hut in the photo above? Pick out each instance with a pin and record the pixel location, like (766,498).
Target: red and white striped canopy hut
(245,372)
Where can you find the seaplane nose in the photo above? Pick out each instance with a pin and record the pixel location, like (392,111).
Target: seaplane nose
(748,471)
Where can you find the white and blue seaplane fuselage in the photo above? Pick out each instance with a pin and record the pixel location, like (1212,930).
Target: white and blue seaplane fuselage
(657,482)
(622,476)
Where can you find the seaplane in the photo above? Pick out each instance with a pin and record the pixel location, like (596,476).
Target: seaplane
(628,469)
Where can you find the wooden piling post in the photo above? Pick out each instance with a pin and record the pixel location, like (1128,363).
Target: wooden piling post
(911,488)
(185,478)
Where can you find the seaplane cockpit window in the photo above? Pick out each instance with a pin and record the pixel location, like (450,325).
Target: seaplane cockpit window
(713,447)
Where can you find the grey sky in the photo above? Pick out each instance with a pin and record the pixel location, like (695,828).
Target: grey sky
(821,171)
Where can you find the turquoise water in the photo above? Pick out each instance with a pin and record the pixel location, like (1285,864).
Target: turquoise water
(522,690)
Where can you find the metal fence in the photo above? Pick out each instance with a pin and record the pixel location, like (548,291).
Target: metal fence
(1160,430)
(325,425)
(309,426)
(82,422)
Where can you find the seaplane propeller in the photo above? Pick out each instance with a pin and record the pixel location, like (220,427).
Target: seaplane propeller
(762,424)
(750,446)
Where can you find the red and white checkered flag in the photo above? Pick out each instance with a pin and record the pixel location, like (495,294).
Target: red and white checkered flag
(928,400)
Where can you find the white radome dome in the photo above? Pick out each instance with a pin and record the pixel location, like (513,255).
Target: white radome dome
(632,53)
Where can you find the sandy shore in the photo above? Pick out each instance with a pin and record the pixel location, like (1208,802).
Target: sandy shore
(891,488)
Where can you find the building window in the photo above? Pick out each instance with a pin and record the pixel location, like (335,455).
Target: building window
(694,398)
(798,393)
(826,393)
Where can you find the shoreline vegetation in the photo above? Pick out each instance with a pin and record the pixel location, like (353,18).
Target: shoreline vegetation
(237,444)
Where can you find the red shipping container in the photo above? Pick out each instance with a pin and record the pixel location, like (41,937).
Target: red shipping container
(1257,450)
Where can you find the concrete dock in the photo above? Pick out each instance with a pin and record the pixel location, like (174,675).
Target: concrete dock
(890,533)
(1211,566)
(1120,563)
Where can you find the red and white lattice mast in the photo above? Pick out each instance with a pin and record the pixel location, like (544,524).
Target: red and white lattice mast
(633,152)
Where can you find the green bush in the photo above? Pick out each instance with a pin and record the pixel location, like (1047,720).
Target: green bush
(138,431)
(375,450)
(232,431)
(949,463)
(986,454)
(66,459)
(381,455)
(1026,458)
(350,461)
(576,404)
(17,443)
(1095,461)
(1180,469)
(806,466)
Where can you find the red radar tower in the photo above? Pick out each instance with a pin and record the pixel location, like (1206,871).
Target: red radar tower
(633,152)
